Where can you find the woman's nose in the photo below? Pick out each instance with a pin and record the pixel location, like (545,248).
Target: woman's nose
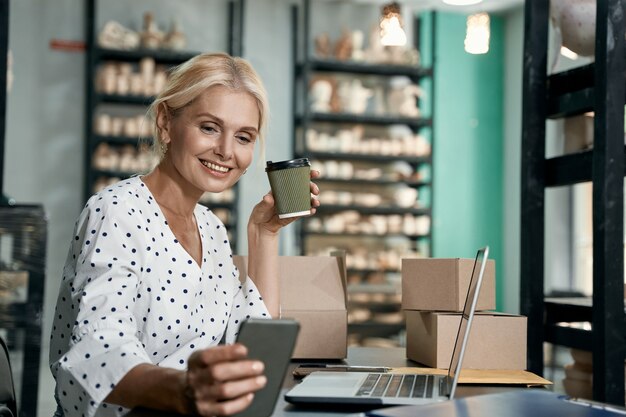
(224,148)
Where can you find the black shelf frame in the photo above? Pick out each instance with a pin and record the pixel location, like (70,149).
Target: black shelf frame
(363,68)
(373,328)
(136,55)
(382,181)
(368,157)
(599,87)
(333,208)
(4,50)
(143,101)
(120,140)
(303,118)
(366,119)
(28,224)
(304,65)
(96,54)
(365,235)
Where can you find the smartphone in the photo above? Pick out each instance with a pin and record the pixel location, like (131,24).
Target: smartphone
(271,342)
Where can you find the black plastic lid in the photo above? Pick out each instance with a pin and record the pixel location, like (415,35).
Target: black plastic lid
(293,163)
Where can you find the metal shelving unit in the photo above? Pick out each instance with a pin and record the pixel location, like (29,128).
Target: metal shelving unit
(24,232)
(97,55)
(305,67)
(599,87)
(4,51)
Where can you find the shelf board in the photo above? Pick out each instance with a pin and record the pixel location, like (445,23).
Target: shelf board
(571,80)
(414,122)
(573,310)
(112,173)
(364,68)
(360,181)
(372,271)
(571,92)
(570,104)
(570,169)
(127,99)
(568,336)
(366,157)
(120,140)
(568,309)
(373,328)
(215,205)
(376,306)
(373,288)
(160,56)
(365,235)
(332,208)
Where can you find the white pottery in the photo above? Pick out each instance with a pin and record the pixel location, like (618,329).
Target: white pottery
(575,20)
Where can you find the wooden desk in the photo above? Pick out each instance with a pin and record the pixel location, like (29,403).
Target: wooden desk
(393,357)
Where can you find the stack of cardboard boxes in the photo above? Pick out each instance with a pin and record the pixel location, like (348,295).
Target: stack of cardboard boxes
(313,292)
(433,297)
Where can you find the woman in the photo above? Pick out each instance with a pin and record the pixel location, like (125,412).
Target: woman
(149,287)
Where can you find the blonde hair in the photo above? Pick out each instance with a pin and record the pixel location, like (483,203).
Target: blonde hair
(190,79)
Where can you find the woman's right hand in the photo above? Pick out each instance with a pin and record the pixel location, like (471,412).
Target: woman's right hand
(222,381)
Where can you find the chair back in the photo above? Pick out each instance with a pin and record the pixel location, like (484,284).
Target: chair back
(8,403)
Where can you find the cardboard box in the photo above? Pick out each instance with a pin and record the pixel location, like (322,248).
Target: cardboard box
(497,341)
(440,284)
(313,291)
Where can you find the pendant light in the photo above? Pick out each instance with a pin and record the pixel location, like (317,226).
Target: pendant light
(391,32)
(477,35)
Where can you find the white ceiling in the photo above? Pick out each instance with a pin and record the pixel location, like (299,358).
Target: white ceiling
(492,6)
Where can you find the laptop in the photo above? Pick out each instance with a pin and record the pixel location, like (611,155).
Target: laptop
(369,388)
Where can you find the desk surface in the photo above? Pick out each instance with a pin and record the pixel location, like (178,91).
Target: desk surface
(393,357)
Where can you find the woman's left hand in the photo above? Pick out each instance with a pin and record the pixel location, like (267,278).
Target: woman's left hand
(264,213)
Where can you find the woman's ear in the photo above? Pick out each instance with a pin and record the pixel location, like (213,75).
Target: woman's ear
(163,123)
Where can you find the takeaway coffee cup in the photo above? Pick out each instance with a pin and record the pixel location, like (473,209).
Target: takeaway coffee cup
(290,182)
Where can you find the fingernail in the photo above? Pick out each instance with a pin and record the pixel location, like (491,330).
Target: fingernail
(261,380)
(257,366)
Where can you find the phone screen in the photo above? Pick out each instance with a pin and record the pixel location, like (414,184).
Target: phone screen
(272,342)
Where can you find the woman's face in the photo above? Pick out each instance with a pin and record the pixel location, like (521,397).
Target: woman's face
(211,142)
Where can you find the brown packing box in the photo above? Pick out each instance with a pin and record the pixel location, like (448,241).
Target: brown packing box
(313,291)
(497,341)
(440,284)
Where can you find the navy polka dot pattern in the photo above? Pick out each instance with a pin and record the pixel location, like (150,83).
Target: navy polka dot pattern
(131,294)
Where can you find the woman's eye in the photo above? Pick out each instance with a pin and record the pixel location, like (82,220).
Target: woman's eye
(209,129)
(244,139)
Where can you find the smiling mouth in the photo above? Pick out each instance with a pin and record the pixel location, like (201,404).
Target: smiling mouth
(214,167)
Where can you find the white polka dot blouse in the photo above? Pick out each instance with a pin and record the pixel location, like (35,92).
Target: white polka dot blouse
(132,294)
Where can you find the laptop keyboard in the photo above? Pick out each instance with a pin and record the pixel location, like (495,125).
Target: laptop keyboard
(397,385)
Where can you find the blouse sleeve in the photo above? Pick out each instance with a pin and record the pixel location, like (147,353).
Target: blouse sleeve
(246,304)
(96,302)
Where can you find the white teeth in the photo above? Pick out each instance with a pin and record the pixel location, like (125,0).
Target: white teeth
(215,167)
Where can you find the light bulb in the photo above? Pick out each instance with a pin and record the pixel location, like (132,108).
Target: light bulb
(391,32)
(477,36)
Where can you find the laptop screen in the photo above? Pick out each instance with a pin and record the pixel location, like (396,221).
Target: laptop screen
(462,336)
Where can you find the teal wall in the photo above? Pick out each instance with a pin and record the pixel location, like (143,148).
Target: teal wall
(468,144)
